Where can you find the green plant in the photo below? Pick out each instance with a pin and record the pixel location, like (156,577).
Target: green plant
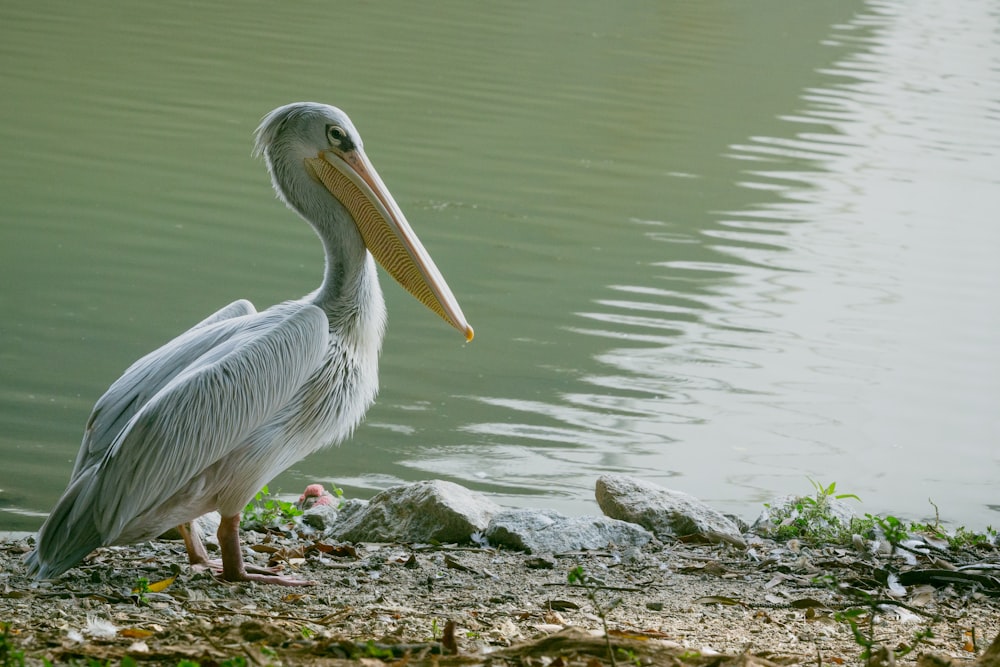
(10,656)
(860,617)
(811,518)
(374,651)
(825,493)
(863,638)
(141,590)
(893,529)
(631,656)
(339,493)
(268,510)
(578,576)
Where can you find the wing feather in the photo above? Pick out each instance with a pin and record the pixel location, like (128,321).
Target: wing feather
(201,414)
(144,378)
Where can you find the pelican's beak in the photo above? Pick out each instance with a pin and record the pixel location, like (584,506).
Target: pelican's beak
(352,179)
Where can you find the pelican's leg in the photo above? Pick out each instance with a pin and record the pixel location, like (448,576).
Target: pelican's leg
(198,555)
(233,568)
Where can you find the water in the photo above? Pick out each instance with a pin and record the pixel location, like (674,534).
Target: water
(722,247)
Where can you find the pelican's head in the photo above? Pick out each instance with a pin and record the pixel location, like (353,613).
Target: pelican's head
(307,145)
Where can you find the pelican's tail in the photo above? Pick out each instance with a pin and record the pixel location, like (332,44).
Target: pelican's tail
(65,537)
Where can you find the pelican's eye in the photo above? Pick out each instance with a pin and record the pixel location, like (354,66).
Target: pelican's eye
(336,135)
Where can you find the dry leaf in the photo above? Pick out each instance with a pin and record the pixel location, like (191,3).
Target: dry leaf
(264,548)
(135,633)
(453,563)
(161,585)
(340,550)
(718,599)
(553,617)
(562,605)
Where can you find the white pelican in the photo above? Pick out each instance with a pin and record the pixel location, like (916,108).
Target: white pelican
(202,423)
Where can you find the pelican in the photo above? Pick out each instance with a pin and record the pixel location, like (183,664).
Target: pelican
(202,423)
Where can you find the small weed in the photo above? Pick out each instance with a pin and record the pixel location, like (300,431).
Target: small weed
(268,510)
(861,619)
(895,531)
(811,518)
(580,577)
(630,656)
(373,651)
(825,493)
(968,538)
(10,656)
(339,493)
(892,528)
(141,590)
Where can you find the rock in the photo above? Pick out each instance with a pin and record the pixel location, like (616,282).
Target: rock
(320,516)
(540,563)
(548,531)
(434,511)
(666,513)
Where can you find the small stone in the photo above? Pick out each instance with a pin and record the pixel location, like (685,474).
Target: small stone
(562,605)
(539,563)
(320,516)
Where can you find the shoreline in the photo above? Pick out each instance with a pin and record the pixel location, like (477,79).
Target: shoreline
(668,600)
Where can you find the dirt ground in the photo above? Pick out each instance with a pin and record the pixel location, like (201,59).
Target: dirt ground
(394,604)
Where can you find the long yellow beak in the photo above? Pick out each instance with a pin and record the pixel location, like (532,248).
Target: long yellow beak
(352,179)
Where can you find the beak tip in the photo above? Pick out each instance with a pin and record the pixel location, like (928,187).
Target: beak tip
(469,334)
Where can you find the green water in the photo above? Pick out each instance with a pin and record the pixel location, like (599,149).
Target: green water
(719,245)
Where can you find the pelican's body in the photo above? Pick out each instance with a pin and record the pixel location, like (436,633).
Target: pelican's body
(206,420)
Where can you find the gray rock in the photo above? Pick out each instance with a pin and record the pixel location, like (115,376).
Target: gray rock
(321,517)
(349,508)
(434,511)
(666,513)
(548,531)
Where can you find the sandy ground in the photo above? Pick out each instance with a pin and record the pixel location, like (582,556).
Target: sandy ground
(414,605)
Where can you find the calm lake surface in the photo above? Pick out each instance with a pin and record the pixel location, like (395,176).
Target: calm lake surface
(722,246)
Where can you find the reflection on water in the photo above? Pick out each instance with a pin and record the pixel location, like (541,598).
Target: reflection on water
(691,252)
(844,330)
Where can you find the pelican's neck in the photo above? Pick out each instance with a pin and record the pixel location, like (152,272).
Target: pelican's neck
(350,294)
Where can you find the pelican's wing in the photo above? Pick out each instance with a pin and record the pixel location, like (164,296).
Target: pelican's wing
(198,417)
(195,418)
(147,376)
